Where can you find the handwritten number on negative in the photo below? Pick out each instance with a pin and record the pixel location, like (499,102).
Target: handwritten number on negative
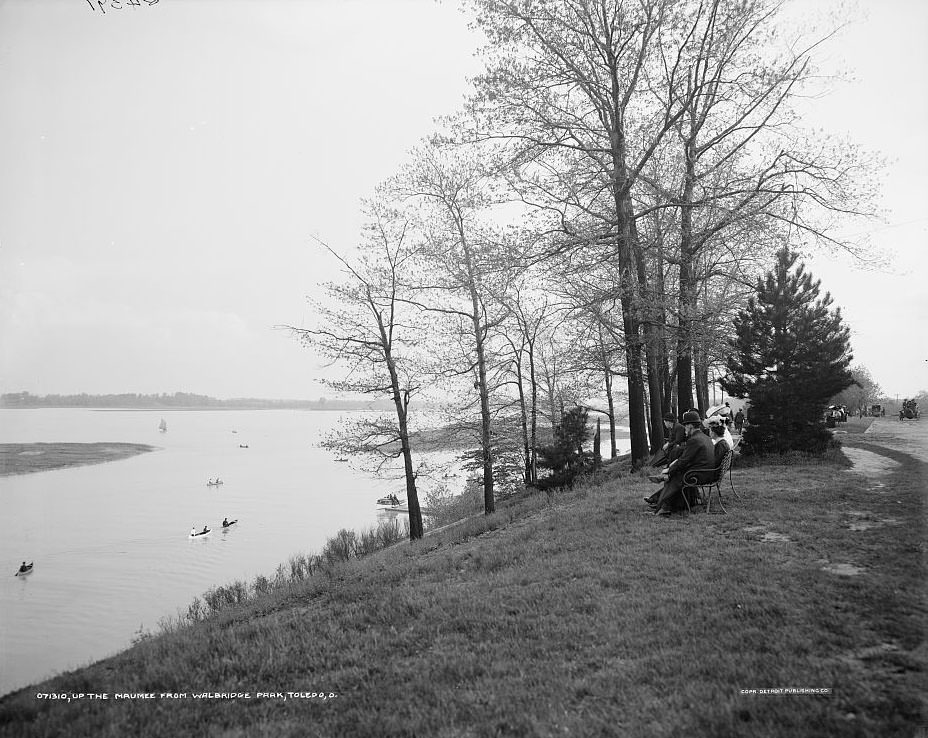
(118,4)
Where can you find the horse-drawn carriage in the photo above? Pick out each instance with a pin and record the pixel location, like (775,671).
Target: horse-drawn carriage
(876,411)
(909,410)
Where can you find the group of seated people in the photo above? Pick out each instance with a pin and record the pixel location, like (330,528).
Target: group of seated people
(687,447)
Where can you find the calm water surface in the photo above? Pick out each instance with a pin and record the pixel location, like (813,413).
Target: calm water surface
(110,541)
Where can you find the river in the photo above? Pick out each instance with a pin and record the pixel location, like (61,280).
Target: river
(110,541)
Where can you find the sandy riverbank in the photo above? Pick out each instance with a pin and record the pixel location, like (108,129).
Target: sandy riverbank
(25,458)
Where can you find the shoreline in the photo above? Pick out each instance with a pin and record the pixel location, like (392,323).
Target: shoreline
(31,458)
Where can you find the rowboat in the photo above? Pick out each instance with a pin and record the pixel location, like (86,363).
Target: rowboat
(211,483)
(229,524)
(24,571)
(200,534)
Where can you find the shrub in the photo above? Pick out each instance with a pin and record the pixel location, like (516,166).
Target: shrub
(445,507)
(342,547)
(262,585)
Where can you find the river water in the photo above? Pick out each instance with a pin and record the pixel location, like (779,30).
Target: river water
(110,541)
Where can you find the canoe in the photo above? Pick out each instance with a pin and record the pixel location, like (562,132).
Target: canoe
(230,524)
(214,484)
(24,572)
(200,534)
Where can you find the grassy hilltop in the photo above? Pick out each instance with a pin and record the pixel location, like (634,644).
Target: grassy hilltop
(572,614)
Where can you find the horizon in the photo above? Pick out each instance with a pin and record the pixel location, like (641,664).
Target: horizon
(143,395)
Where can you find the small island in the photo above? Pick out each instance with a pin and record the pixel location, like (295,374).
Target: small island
(25,458)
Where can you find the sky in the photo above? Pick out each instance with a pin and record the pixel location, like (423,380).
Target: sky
(164,168)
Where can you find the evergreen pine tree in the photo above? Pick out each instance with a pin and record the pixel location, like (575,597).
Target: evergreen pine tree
(790,355)
(563,457)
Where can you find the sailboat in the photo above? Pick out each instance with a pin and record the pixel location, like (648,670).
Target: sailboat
(163,427)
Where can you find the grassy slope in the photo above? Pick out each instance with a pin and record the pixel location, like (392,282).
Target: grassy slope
(574,615)
(24,458)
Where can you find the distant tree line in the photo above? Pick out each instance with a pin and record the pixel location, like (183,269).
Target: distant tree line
(178,400)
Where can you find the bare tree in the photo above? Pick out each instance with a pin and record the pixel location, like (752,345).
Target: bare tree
(359,327)
(528,315)
(743,172)
(568,87)
(459,265)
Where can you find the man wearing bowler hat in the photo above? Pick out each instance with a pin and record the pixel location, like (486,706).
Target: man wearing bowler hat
(697,454)
(673,447)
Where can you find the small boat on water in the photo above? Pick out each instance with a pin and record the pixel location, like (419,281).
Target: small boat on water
(200,533)
(392,503)
(243,445)
(229,523)
(214,482)
(402,508)
(24,569)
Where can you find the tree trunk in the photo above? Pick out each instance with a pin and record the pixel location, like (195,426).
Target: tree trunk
(534,412)
(629,300)
(489,504)
(611,404)
(660,313)
(687,289)
(401,402)
(652,341)
(523,418)
(412,495)
(702,381)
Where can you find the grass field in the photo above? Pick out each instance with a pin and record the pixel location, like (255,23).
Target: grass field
(24,458)
(574,614)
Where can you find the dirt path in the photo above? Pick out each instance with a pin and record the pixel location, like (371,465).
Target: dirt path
(884,446)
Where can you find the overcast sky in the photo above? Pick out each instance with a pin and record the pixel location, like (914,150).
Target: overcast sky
(162,168)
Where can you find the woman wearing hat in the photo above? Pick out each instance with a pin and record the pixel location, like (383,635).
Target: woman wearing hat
(714,421)
(717,434)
